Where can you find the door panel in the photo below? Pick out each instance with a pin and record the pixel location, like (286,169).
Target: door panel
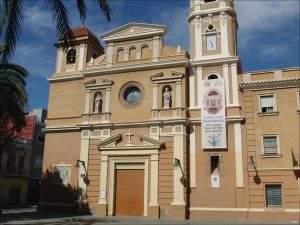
(129,192)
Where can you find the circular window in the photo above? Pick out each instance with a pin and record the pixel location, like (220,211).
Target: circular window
(131,94)
(210,27)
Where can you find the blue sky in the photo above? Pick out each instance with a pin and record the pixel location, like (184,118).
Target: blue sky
(268,36)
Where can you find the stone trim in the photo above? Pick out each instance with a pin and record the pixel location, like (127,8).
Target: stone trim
(270,84)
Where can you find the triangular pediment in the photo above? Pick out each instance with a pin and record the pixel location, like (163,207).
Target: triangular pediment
(134,31)
(111,141)
(115,143)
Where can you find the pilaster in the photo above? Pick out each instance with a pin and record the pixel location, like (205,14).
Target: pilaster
(224,34)
(109,54)
(103,180)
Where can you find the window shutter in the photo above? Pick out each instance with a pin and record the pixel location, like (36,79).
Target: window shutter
(266,101)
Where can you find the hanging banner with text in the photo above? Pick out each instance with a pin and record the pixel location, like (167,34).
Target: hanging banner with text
(213,114)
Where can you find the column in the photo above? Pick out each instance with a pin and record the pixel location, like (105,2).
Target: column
(235,89)
(154,96)
(199,86)
(238,155)
(226,79)
(87,106)
(59,60)
(193,157)
(109,54)
(126,54)
(192,88)
(103,180)
(156,48)
(178,188)
(224,34)
(107,100)
(198,38)
(178,94)
(81,60)
(84,154)
(87,101)
(154,181)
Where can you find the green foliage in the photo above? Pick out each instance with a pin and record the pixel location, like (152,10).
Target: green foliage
(11,16)
(13,102)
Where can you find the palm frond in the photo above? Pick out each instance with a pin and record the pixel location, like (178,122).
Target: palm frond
(103,4)
(82,9)
(61,19)
(13,100)
(11,27)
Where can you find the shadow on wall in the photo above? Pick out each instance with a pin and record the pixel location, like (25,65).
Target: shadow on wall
(57,197)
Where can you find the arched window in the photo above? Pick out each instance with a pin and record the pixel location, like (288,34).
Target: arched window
(212,76)
(71,56)
(120,55)
(132,53)
(145,52)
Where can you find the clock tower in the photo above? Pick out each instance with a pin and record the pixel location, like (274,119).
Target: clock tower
(215,172)
(213,40)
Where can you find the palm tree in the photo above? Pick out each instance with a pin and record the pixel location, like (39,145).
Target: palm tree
(13,102)
(11,16)
(13,97)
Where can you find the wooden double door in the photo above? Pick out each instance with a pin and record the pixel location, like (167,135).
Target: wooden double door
(129,192)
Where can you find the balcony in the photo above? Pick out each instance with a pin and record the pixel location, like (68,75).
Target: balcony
(15,172)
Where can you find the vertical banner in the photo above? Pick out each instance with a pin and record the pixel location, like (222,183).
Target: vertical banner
(213,115)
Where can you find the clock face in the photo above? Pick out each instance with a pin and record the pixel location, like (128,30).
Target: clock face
(211,42)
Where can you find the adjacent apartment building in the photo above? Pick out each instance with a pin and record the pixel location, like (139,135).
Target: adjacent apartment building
(146,129)
(21,164)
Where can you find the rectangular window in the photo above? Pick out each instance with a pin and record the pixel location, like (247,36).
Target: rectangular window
(273,195)
(270,145)
(267,103)
(11,163)
(37,161)
(21,164)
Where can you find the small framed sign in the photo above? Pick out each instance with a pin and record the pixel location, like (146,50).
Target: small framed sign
(215,180)
(102,194)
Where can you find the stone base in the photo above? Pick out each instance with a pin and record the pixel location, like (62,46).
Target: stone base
(99,210)
(153,212)
(179,212)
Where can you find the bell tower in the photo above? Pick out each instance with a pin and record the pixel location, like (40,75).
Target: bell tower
(213,28)
(213,41)
(213,46)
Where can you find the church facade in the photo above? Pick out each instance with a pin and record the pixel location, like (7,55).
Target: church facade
(145,129)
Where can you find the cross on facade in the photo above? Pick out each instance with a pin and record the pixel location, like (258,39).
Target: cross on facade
(129,134)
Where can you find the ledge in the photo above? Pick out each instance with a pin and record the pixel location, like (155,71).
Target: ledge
(271,156)
(268,113)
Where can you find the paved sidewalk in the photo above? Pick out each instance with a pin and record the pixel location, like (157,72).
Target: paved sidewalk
(29,216)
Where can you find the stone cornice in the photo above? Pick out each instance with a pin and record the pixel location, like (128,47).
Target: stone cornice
(204,12)
(271,84)
(205,61)
(183,121)
(136,67)
(113,70)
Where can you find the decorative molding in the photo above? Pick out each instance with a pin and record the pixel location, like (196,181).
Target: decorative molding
(111,141)
(271,84)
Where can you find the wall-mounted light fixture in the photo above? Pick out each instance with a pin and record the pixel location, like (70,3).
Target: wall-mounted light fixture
(177,163)
(84,176)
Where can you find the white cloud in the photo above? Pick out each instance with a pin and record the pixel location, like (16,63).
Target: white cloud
(36,18)
(267,21)
(265,15)
(37,59)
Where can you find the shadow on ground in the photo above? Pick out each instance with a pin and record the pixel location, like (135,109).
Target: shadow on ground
(57,219)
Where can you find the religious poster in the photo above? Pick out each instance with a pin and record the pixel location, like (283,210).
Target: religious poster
(213,115)
(215,180)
